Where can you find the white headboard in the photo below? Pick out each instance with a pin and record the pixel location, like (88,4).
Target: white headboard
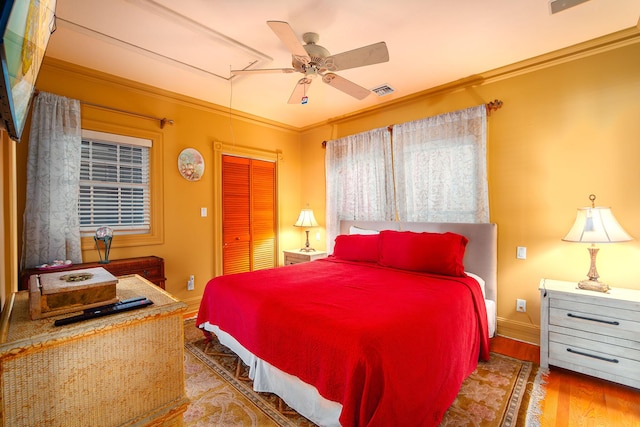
(481,254)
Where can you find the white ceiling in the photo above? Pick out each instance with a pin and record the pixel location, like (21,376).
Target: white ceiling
(190,46)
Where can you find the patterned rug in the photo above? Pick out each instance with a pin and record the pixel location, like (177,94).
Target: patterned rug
(497,393)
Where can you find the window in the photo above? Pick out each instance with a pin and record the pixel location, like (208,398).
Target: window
(437,172)
(114,183)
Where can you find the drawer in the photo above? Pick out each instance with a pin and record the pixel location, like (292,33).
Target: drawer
(576,357)
(598,343)
(613,322)
(617,310)
(148,272)
(294,258)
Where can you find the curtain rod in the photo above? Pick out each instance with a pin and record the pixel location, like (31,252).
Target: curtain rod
(163,121)
(494,105)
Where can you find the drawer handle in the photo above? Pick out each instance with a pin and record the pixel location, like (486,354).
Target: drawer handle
(608,322)
(606,359)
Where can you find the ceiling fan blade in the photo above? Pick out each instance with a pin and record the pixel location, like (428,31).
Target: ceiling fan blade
(285,33)
(346,86)
(264,70)
(300,90)
(367,55)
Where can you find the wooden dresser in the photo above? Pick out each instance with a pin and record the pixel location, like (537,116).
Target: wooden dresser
(149,267)
(591,332)
(117,370)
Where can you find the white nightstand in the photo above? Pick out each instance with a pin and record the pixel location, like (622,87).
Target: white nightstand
(591,332)
(298,256)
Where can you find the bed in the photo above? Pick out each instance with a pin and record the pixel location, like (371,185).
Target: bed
(382,332)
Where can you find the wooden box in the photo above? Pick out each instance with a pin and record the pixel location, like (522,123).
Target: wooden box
(63,292)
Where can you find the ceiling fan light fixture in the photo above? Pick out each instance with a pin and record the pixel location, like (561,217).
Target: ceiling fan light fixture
(311,71)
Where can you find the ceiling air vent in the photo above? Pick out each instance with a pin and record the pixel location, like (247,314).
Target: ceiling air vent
(383,90)
(560,5)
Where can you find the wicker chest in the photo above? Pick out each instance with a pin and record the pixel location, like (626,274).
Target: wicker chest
(119,370)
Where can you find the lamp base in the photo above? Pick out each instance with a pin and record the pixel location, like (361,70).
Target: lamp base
(307,248)
(593,285)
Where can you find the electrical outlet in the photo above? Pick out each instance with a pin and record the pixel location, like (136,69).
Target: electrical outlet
(191,283)
(521,305)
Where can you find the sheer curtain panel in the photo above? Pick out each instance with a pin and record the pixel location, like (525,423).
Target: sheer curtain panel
(441,169)
(359,180)
(51,224)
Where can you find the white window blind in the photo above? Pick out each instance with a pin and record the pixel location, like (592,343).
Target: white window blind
(114,183)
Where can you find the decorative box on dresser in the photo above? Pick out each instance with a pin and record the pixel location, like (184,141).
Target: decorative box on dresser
(591,332)
(149,267)
(297,256)
(117,370)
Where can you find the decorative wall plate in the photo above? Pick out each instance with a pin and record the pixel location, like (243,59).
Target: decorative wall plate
(191,164)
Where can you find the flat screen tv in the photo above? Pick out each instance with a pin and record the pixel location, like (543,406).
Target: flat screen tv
(25,28)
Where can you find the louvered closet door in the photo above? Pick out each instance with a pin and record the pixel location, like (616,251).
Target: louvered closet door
(248,214)
(263,218)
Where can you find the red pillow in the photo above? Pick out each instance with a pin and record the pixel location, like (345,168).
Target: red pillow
(436,253)
(356,247)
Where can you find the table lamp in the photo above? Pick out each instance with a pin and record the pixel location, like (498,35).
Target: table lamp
(306,219)
(595,225)
(104,235)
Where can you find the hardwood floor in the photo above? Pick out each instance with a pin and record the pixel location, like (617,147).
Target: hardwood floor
(574,399)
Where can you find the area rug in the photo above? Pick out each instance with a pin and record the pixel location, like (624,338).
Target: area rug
(497,393)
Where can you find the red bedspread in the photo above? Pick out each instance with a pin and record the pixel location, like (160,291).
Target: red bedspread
(393,347)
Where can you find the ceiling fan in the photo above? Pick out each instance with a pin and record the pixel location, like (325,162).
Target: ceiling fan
(313,60)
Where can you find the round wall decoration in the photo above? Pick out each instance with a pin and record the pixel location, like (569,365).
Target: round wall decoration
(191,164)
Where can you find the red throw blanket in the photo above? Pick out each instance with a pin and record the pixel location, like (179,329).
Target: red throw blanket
(392,346)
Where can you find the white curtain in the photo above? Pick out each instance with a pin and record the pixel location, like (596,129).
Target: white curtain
(440,167)
(359,180)
(429,170)
(51,224)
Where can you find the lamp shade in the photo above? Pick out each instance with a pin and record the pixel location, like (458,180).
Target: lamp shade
(596,225)
(306,219)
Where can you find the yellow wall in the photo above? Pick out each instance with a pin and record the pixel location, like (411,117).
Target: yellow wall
(188,238)
(569,127)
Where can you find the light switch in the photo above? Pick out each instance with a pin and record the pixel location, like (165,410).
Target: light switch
(521,252)
(203,212)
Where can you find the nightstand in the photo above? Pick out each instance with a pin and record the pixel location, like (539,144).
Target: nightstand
(591,332)
(298,256)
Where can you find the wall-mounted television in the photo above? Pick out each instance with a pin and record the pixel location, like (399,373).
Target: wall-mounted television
(25,28)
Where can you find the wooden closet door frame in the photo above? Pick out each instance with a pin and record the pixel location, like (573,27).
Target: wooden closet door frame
(220,149)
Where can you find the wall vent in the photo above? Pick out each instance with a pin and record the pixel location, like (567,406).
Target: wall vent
(383,90)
